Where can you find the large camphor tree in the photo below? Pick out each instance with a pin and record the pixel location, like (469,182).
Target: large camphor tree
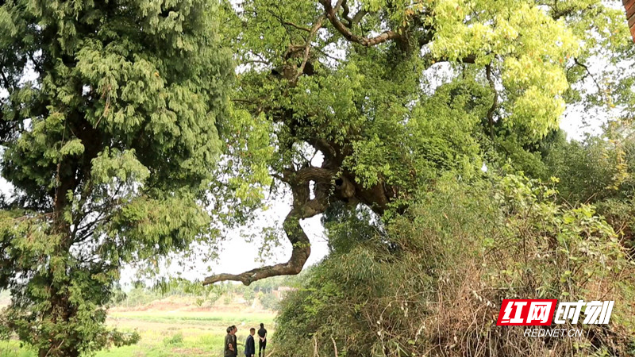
(112,147)
(109,117)
(389,94)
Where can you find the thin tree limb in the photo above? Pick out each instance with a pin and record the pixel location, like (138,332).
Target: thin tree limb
(331,14)
(359,16)
(590,75)
(334,347)
(492,109)
(296,26)
(307,48)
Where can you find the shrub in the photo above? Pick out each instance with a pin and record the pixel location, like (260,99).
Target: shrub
(431,281)
(173,340)
(269,301)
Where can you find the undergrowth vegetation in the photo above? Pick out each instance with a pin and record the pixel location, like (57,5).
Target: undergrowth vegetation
(431,281)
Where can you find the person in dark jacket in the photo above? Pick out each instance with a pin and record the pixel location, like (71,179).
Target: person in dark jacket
(235,340)
(262,343)
(250,344)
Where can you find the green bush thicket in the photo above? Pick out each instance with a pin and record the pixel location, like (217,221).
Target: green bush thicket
(431,282)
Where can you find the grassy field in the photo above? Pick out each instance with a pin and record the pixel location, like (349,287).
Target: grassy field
(170,334)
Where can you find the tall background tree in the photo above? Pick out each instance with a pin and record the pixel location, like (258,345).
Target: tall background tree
(109,147)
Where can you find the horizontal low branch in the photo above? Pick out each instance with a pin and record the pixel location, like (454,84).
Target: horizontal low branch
(299,255)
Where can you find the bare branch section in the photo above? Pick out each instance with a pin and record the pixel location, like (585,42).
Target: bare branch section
(331,14)
(492,109)
(299,256)
(307,48)
(303,207)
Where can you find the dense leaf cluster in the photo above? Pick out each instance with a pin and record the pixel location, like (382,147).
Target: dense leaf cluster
(433,280)
(109,144)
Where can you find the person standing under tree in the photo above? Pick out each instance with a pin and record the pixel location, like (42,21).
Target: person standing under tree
(230,343)
(250,345)
(235,330)
(262,343)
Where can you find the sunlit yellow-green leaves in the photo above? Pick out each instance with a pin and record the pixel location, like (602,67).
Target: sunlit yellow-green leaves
(521,41)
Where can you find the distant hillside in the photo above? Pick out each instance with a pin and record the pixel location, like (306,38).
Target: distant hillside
(191,304)
(229,301)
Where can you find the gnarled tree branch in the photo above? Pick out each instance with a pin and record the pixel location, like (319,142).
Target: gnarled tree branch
(331,14)
(303,207)
(299,255)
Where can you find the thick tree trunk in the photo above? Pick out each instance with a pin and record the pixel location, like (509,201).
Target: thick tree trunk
(303,207)
(61,310)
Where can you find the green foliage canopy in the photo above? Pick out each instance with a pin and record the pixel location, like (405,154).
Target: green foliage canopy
(391,94)
(109,148)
